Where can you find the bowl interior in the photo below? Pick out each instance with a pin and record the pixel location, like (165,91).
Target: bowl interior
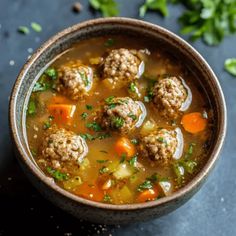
(64,40)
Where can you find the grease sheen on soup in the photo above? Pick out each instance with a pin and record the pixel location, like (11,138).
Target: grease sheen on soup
(119,120)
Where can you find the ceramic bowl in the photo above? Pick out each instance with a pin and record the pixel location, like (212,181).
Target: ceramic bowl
(94,211)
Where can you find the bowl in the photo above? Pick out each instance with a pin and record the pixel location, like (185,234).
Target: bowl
(86,209)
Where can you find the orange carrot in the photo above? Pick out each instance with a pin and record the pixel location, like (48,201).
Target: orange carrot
(62,113)
(124,146)
(148,195)
(91,192)
(194,122)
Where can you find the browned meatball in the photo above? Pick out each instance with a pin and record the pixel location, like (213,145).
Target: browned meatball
(169,96)
(61,145)
(122,66)
(122,113)
(162,145)
(75,80)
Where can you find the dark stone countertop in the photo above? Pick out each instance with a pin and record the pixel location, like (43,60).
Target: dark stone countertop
(212,211)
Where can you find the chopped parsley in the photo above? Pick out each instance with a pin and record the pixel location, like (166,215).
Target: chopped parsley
(56,174)
(107,198)
(51,72)
(31,110)
(90,137)
(133,161)
(109,43)
(109,100)
(230,66)
(134,141)
(84,77)
(179,172)
(89,107)
(103,170)
(153,178)
(102,161)
(36,27)
(189,165)
(94,126)
(134,117)
(84,115)
(123,157)
(47,124)
(108,8)
(23,30)
(87,136)
(147,184)
(132,87)
(117,122)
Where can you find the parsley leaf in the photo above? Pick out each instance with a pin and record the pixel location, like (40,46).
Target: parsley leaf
(230,66)
(31,110)
(147,184)
(117,122)
(84,115)
(157,5)
(56,174)
(36,27)
(107,7)
(94,126)
(89,107)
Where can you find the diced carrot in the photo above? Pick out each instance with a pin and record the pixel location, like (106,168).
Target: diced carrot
(91,192)
(148,195)
(124,146)
(194,122)
(62,113)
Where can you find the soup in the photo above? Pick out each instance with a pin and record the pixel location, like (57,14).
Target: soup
(119,120)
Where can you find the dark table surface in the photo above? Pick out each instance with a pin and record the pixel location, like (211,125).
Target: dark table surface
(212,211)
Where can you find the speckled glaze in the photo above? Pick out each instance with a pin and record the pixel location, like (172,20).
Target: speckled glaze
(82,208)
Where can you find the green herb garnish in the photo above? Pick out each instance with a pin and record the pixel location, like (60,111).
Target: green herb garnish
(36,27)
(132,87)
(56,174)
(103,136)
(84,115)
(230,65)
(84,77)
(108,8)
(103,170)
(31,110)
(102,161)
(157,5)
(107,198)
(94,126)
(23,30)
(89,107)
(133,161)
(51,72)
(47,124)
(117,122)
(134,117)
(189,165)
(134,141)
(109,100)
(147,184)
(179,172)
(87,137)
(109,43)
(153,178)
(123,157)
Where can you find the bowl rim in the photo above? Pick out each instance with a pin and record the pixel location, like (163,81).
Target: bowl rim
(203,173)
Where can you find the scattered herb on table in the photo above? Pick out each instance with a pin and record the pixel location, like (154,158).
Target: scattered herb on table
(36,27)
(157,5)
(23,30)
(230,65)
(107,7)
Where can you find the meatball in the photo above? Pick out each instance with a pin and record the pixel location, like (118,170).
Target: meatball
(122,66)
(61,145)
(162,145)
(171,95)
(122,113)
(75,80)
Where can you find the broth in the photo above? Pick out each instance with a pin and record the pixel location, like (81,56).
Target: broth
(105,173)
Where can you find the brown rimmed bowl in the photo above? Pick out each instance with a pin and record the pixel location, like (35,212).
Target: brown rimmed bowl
(86,209)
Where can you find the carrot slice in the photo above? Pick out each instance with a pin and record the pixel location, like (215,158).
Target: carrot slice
(62,113)
(124,146)
(148,195)
(91,192)
(194,122)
